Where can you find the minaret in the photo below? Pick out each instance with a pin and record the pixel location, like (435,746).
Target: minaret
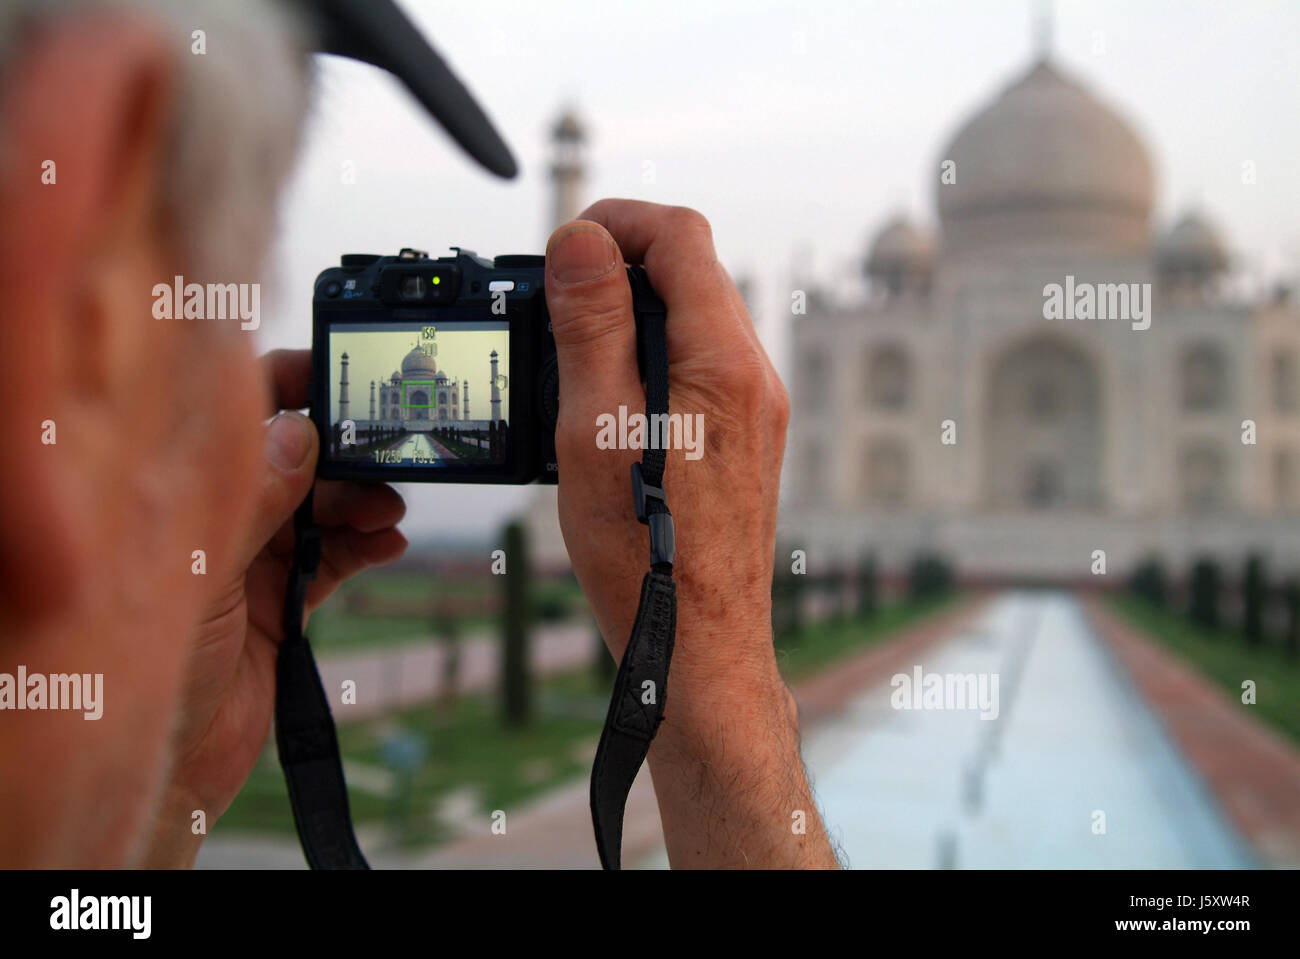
(464,400)
(568,185)
(568,168)
(496,393)
(343,391)
(372,401)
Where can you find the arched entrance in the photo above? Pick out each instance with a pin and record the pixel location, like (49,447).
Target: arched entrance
(1043,446)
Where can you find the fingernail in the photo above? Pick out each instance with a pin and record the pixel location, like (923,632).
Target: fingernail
(583,253)
(287,441)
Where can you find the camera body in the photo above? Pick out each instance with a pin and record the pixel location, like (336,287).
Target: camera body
(438,370)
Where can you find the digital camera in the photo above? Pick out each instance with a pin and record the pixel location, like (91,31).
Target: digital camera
(437,370)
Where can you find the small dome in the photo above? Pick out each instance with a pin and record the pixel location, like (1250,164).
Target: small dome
(901,258)
(418,363)
(899,246)
(1192,245)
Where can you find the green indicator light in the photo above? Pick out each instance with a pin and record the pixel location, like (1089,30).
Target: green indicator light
(437,280)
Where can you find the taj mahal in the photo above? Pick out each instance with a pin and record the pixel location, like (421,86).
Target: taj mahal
(419,397)
(945,411)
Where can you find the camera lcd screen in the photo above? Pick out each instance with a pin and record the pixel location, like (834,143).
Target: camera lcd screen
(431,394)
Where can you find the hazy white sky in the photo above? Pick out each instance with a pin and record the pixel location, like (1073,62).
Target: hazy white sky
(797,127)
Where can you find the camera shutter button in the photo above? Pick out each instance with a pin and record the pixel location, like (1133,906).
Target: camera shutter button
(519,261)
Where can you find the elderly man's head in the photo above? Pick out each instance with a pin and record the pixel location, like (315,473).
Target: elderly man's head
(139,141)
(237,85)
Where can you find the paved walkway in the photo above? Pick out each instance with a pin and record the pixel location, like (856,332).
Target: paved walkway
(420,449)
(412,673)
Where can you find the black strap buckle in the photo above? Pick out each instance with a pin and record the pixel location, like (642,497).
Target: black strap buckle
(662,536)
(641,492)
(663,541)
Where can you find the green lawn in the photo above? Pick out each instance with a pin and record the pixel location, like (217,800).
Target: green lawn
(407,583)
(334,627)
(334,630)
(818,646)
(1223,656)
(465,746)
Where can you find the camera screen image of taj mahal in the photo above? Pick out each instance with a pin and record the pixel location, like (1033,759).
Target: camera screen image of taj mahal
(420,394)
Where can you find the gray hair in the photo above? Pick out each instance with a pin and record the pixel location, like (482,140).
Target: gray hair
(235,123)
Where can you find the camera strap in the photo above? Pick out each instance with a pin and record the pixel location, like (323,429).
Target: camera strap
(304,727)
(637,706)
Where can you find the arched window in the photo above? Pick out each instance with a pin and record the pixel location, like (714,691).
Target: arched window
(889,375)
(886,470)
(1203,477)
(1044,427)
(1043,486)
(1204,378)
(1043,404)
(1286,396)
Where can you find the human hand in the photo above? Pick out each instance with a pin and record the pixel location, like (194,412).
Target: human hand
(228,695)
(724,497)
(725,763)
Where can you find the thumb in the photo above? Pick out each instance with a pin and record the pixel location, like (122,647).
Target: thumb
(289,454)
(590,304)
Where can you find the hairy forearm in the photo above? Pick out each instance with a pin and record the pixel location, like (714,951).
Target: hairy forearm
(730,782)
(174,840)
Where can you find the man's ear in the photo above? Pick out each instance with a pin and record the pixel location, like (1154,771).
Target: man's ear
(84,122)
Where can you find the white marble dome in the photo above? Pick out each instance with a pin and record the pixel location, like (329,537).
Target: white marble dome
(1047,162)
(417,364)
